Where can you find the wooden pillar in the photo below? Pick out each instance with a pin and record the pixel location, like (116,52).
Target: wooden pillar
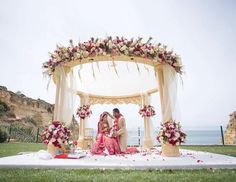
(81,140)
(147,140)
(56,106)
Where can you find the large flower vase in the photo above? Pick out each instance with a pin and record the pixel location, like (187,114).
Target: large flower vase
(55,150)
(169,150)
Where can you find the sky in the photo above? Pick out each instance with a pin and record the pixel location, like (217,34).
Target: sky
(203,32)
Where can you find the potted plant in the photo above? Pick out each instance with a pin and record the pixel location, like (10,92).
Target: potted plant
(56,136)
(170,136)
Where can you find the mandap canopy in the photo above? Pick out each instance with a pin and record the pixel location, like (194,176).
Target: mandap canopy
(113,71)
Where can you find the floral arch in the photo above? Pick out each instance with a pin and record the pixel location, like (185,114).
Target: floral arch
(165,64)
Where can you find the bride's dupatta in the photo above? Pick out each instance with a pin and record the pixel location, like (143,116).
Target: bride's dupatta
(99,147)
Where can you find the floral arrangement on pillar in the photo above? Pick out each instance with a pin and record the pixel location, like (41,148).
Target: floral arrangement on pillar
(84,111)
(170,136)
(147,111)
(56,136)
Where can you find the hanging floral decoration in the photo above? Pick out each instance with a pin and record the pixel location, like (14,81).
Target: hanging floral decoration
(84,111)
(171,133)
(112,47)
(56,134)
(147,111)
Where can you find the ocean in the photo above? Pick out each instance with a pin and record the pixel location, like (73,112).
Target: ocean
(194,137)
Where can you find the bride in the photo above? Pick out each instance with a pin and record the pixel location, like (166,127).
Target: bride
(105,143)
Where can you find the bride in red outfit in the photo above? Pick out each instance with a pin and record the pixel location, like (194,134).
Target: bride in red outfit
(105,142)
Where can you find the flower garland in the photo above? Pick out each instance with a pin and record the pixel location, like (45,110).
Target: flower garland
(84,111)
(56,134)
(147,111)
(112,47)
(171,133)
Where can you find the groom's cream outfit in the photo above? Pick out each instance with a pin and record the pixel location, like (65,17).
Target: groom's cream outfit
(122,134)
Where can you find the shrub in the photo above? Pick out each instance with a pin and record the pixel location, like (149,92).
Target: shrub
(4,107)
(10,114)
(3,136)
(30,119)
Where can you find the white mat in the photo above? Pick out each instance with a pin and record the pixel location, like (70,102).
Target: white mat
(144,160)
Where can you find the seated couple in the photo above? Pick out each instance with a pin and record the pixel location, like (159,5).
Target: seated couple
(111,136)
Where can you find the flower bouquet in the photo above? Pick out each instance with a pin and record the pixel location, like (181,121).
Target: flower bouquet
(84,111)
(170,136)
(55,136)
(112,47)
(147,111)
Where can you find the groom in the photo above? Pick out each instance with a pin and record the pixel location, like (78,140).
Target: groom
(119,129)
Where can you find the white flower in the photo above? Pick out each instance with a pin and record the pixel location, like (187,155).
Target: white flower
(167,134)
(85,54)
(177,135)
(59,140)
(126,52)
(51,127)
(124,47)
(151,51)
(54,132)
(110,44)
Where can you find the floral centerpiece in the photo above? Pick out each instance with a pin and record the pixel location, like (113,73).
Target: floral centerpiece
(84,111)
(171,135)
(112,47)
(55,136)
(147,111)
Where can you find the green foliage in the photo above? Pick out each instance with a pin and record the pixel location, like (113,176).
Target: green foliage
(4,107)
(23,134)
(3,135)
(36,119)
(29,119)
(10,114)
(6,111)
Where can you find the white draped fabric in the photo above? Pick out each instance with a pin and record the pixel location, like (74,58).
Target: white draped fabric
(65,95)
(115,78)
(167,79)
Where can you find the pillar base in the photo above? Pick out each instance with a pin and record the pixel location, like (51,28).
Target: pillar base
(147,143)
(85,143)
(81,143)
(168,150)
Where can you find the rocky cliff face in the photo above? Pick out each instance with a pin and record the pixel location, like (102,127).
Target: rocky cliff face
(230,133)
(25,107)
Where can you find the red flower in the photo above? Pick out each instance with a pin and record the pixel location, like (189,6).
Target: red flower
(75,142)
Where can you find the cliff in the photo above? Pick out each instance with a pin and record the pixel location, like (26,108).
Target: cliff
(230,133)
(22,109)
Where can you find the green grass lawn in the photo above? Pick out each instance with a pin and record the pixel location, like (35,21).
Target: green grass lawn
(7,149)
(116,175)
(203,175)
(219,149)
